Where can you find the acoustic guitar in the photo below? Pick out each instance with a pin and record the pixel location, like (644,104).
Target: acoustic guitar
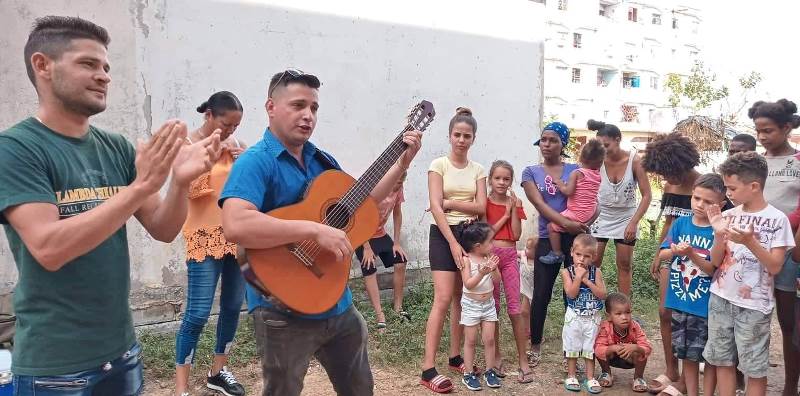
(302,276)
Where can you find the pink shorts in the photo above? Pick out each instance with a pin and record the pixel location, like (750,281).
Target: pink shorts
(509,273)
(580,217)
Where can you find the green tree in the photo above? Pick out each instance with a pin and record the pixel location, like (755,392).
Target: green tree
(699,88)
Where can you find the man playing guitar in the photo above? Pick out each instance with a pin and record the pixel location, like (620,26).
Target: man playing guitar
(275,173)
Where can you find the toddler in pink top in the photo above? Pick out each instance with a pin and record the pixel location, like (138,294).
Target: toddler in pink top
(581,191)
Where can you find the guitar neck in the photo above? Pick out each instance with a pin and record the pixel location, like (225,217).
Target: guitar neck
(364,185)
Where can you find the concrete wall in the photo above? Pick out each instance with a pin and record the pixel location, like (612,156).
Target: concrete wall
(375,61)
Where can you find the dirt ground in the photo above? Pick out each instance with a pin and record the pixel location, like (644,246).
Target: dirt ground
(392,382)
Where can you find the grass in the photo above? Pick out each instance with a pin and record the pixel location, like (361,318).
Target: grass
(401,346)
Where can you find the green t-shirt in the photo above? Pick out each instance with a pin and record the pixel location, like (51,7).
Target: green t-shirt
(78,317)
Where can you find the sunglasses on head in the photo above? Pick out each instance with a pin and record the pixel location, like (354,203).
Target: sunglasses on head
(292,74)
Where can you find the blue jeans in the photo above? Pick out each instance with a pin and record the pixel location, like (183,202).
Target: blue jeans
(202,285)
(122,376)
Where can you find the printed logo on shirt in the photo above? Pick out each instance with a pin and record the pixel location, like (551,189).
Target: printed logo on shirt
(790,170)
(748,272)
(686,280)
(78,200)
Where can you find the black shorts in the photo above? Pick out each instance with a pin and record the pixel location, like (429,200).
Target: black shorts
(618,241)
(381,247)
(439,249)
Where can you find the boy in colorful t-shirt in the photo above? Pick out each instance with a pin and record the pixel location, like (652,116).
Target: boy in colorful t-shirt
(687,246)
(755,233)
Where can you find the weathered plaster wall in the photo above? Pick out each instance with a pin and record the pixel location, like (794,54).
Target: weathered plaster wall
(169,56)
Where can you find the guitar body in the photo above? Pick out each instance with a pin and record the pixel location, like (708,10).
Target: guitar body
(314,289)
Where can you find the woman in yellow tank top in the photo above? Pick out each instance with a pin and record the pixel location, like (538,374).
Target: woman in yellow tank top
(209,257)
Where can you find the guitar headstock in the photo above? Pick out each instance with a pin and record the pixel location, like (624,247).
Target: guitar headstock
(421,116)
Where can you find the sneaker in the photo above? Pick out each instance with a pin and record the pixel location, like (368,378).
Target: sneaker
(491,378)
(552,258)
(225,382)
(471,381)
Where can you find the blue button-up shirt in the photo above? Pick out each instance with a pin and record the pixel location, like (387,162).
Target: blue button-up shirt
(267,176)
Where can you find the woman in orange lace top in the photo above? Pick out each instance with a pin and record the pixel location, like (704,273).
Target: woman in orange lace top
(209,256)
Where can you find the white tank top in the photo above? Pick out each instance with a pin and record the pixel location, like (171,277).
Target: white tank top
(485,285)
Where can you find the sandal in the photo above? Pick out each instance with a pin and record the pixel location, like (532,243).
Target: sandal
(639,385)
(534,358)
(671,391)
(663,382)
(525,378)
(405,315)
(571,384)
(606,380)
(499,371)
(592,386)
(438,384)
(381,327)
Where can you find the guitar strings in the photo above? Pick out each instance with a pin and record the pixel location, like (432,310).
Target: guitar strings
(340,213)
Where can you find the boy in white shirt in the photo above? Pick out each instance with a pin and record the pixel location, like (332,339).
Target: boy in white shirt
(752,237)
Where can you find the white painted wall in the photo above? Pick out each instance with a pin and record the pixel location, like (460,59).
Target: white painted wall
(375,59)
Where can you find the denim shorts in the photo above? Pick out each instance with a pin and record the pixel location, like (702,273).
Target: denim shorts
(473,312)
(689,336)
(786,280)
(732,328)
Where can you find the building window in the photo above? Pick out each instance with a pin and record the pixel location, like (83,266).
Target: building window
(576,40)
(576,75)
(656,19)
(605,10)
(562,5)
(630,80)
(629,58)
(604,77)
(674,23)
(654,82)
(633,14)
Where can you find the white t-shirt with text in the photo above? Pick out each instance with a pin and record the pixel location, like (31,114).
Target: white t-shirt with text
(741,278)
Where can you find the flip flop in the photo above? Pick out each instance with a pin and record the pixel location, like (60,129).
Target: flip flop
(525,378)
(438,384)
(405,315)
(671,391)
(606,380)
(639,385)
(534,358)
(663,382)
(592,386)
(571,384)
(381,327)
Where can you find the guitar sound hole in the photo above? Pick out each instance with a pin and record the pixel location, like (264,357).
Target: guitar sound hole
(337,216)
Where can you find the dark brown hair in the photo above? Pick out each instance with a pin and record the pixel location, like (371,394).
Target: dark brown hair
(713,182)
(463,114)
(781,112)
(501,164)
(748,166)
(616,299)
(592,154)
(52,35)
(670,155)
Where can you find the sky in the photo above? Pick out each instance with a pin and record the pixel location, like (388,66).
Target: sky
(739,36)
